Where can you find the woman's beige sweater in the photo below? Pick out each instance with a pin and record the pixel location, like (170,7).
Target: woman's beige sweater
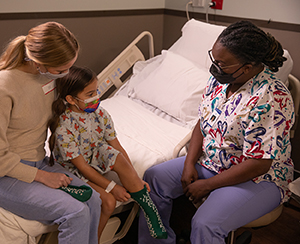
(25,108)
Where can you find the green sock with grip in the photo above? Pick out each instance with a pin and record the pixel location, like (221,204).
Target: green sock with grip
(81,193)
(155,225)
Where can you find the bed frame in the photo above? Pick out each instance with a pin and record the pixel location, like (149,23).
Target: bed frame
(120,69)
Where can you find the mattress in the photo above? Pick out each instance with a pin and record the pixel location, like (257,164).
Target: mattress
(145,147)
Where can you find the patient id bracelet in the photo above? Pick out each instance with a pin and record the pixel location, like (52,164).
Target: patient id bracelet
(110,186)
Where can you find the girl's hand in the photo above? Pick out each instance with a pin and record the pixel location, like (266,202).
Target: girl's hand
(147,185)
(51,179)
(120,193)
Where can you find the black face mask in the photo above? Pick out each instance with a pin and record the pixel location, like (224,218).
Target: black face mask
(223,77)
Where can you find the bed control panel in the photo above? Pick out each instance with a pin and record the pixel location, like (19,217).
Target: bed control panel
(116,78)
(103,86)
(109,85)
(106,87)
(118,72)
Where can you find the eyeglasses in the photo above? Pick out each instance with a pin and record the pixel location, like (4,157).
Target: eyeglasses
(215,63)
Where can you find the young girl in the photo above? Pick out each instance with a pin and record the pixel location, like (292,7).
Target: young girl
(84,141)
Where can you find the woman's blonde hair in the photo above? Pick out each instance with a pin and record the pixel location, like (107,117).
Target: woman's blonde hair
(50,44)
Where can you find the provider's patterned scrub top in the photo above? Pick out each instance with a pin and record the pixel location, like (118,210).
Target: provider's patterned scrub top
(86,134)
(254,122)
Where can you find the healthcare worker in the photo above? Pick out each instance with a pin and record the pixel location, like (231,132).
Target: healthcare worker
(239,153)
(28,185)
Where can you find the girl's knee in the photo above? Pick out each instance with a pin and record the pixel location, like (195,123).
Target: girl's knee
(109,203)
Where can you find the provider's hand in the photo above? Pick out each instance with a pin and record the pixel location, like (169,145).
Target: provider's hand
(189,175)
(120,193)
(52,179)
(197,190)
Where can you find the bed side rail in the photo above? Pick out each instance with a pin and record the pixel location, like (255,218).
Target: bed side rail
(183,143)
(120,69)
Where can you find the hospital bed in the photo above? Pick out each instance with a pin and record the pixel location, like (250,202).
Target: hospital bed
(154,106)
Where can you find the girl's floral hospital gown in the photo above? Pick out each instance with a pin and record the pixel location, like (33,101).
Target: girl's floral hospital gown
(86,134)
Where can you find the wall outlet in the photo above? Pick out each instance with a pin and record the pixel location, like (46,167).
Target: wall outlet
(218,4)
(198,3)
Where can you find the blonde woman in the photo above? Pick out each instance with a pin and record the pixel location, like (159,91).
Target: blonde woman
(28,185)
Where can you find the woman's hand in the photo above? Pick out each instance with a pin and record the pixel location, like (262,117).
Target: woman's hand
(52,179)
(197,190)
(236,174)
(120,193)
(189,175)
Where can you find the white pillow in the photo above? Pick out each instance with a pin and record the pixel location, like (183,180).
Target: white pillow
(142,69)
(196,40)
(174,87)
(286,68)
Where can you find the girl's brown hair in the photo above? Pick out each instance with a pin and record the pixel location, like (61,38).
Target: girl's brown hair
(71,84)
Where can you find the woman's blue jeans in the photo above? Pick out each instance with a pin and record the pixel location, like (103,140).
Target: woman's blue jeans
(78,222)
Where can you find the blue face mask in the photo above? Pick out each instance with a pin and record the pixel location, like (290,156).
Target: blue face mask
(52,76)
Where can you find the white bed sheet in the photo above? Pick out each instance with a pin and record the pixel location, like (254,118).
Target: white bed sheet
(145,147)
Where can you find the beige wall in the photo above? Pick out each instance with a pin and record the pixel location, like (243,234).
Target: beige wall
(34,6)
(101,38)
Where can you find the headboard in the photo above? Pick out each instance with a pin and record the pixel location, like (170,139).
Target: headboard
(120,69)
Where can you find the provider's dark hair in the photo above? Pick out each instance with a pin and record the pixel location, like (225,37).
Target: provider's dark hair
(252,45)
(71,84)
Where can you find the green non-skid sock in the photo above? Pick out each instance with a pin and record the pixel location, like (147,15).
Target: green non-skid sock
(155,225)
(81,193)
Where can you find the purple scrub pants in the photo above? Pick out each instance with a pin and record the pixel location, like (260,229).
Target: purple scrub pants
(226,208)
